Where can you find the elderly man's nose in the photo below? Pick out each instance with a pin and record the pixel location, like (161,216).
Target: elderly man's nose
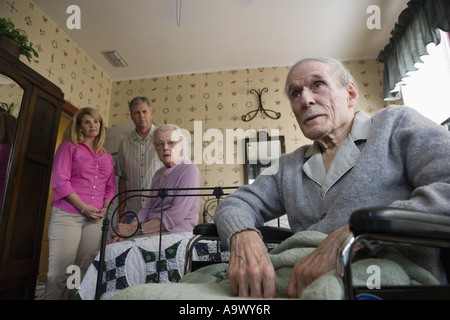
(307,97)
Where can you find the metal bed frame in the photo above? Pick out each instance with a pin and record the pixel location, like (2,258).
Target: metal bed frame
(217,192)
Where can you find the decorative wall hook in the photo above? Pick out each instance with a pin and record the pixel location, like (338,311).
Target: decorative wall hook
(252,114)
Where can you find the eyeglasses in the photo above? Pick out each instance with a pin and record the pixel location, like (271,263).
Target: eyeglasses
(161,144)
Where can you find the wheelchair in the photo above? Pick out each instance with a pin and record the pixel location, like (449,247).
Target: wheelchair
(393,226)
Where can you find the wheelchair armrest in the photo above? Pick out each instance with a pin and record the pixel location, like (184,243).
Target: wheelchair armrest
(383,220)
(275,234)
(206,229)
(269,234)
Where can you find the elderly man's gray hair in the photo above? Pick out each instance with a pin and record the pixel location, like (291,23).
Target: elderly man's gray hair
(339,71)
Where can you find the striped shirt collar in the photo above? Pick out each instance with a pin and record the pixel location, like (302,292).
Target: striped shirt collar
(136,135)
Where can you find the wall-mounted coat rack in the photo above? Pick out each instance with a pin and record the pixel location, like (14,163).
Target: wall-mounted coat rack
(252,114)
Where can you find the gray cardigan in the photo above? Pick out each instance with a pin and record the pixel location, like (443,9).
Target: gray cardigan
(405,163)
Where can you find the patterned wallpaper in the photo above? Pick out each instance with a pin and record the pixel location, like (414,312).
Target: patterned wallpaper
(218,100)
(60,60)
(214,102)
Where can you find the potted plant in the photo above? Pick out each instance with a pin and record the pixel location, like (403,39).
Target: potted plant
(10,32)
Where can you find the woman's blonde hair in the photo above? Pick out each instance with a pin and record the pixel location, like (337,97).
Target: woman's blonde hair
(73,131)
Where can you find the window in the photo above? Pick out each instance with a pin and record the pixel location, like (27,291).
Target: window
(428,89)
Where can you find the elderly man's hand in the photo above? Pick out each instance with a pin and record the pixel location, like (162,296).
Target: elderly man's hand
(250,271)
(319,262)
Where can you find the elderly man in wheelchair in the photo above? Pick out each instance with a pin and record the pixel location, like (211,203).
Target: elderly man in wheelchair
(396,159)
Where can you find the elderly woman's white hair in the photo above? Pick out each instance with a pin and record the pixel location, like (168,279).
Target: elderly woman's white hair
(177,135)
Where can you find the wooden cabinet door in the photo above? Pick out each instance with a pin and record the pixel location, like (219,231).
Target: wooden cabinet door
(23,213)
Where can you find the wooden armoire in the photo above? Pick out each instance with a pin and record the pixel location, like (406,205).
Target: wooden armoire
(22,212)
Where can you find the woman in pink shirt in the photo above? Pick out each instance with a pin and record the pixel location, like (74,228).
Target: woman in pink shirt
(83,184)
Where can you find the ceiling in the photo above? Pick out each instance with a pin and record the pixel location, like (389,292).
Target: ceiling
(220,35)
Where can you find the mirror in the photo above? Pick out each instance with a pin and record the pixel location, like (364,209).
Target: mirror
(10,101)
(260,153)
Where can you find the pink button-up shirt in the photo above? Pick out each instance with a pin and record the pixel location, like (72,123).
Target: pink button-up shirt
(79,170)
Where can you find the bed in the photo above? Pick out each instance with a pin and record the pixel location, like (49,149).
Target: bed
(134,260)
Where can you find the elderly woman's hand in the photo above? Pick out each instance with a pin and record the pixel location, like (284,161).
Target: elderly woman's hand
(122,230)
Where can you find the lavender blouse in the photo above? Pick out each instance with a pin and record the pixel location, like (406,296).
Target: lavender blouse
(79,170)
(180,214)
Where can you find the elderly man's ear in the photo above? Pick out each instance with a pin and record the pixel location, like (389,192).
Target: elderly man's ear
(353,94)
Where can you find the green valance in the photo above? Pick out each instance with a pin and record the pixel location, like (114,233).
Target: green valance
(416,27)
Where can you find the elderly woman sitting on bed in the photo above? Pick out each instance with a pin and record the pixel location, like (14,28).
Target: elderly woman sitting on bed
(180,214)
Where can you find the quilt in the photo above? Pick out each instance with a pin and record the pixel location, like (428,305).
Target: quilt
(135,261)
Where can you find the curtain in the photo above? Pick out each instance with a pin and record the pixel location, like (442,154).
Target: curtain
(416,27)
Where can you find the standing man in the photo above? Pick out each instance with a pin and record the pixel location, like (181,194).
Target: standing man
(137,160)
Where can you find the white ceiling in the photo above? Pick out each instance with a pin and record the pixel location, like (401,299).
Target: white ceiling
(220,35)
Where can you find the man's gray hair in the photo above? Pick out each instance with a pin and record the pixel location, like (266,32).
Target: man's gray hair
(138,100)
(339,71)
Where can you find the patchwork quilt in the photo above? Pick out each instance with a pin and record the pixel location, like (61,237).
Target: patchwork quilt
(135,261)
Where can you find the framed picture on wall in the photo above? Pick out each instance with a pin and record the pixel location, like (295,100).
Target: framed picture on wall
(260,153)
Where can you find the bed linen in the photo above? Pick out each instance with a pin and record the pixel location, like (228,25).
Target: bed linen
(132,262)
